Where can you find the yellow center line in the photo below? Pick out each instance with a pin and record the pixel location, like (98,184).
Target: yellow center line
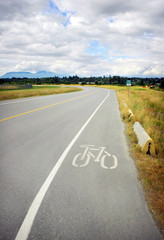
(38,109)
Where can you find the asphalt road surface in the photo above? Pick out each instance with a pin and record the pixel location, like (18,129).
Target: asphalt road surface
(66,172)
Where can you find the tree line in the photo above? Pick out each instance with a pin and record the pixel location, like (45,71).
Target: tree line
(105,80)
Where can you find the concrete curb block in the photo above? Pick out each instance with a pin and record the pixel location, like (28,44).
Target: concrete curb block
(145,142)
(130,113)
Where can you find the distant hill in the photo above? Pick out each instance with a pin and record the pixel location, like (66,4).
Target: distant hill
(41,74)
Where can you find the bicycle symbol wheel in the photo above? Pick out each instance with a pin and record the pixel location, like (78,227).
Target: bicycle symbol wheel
(79,162)
(109,156)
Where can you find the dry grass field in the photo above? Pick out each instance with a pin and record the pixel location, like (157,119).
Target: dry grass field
(147,106)
(35,91)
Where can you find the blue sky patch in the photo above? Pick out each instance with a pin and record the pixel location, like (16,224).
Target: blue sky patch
(66,22)
(97,49)
(148,35)
(110,19)
(54,9)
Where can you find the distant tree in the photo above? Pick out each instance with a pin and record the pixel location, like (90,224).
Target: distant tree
(75,79)
(56,80)
(142,82)
(162,83)
(38,81)
(83,83)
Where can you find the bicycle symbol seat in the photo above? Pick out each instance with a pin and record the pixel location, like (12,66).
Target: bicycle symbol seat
(83,159)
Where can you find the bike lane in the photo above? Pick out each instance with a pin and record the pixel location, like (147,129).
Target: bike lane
(96,194)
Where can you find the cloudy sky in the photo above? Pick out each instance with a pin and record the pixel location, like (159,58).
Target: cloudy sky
(83,37)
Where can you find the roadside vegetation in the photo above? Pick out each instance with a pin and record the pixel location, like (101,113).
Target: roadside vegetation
(99,80)
(12,93)
(148,107)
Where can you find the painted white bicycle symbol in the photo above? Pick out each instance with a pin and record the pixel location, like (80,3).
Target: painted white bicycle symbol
(83,159)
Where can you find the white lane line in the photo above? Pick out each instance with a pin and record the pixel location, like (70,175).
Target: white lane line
(26,226)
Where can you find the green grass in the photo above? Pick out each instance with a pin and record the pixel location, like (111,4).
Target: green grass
(14,87)
(45,86)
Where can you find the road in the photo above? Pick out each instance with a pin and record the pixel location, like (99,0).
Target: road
(66,172)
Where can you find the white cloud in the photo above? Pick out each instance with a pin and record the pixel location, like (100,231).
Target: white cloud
(57,35)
